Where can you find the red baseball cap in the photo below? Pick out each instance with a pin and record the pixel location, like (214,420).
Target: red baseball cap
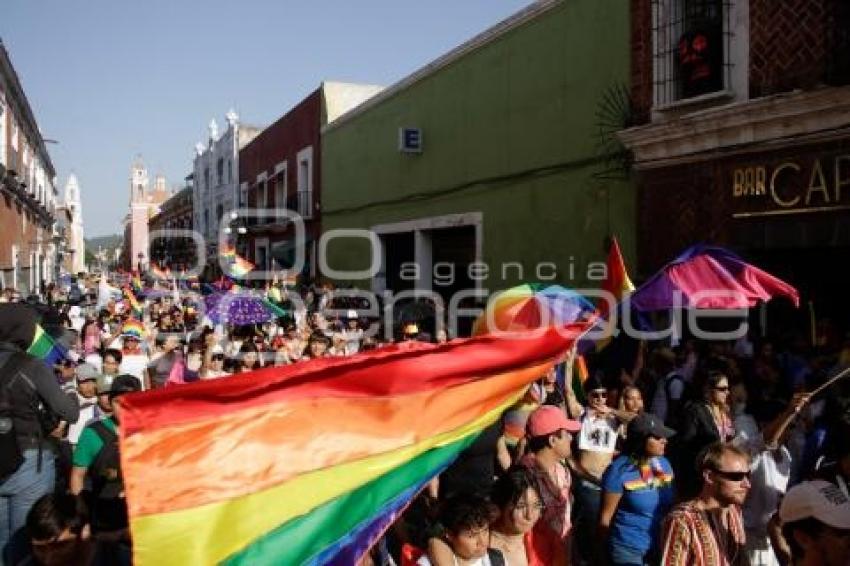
(548,419)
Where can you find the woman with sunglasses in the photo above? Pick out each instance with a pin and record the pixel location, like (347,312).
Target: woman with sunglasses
(705,422)
(637,491)
(214,365)
(597,443)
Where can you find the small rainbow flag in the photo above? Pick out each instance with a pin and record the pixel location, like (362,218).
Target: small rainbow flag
(311,463)
(45,348)
(580,375)
(134,303)
(239,266)
(618,285)
(133,328)
(136,282)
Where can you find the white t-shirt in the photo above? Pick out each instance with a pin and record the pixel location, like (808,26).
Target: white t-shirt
(771,471)
(89,413)
(598,434)
(135,365)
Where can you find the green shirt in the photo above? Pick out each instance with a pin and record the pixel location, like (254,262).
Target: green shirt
(89,445)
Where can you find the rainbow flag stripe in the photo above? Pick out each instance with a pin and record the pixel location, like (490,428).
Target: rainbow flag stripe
(45,348)
(310,463)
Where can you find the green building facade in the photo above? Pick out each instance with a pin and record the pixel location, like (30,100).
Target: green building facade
(512,183)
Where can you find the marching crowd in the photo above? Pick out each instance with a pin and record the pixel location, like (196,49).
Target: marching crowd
(703,454)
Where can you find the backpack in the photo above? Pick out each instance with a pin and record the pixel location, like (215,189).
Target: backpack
(107,482)
(676,408)
(11,456)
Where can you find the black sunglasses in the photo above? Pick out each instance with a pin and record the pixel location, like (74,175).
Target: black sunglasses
(733,476)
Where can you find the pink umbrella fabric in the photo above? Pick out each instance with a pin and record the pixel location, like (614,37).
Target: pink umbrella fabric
(706,277)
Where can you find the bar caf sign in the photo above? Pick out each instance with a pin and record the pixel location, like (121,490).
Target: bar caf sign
(817,183)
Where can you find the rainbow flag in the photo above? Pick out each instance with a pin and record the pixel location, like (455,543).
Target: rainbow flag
(617,284)
(239,266)
(134,303)
(311,463)
(136,282)
(580,375)
(45,348)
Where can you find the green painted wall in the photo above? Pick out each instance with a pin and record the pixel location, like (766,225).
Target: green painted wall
(525,101)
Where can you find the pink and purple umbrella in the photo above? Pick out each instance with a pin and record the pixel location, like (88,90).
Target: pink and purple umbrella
(706,277)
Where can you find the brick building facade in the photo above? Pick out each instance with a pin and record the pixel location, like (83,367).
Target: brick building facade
(28,194)
(280,170)
(740,135)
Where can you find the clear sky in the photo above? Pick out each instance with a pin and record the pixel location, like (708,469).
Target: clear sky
(109,79)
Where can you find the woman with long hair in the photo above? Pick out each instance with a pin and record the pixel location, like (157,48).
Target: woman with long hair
(704,422)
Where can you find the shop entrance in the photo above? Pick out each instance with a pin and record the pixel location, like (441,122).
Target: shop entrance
(818,274)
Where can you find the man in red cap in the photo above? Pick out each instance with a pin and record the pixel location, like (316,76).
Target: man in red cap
(549,433)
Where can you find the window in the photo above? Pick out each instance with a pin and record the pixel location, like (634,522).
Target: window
(206,221)
(305,182)
(261,200)
(3,160)
(691,48)
(243,194)
(14,135)
(229,171)
(280,190)
(219,167)
(206,178)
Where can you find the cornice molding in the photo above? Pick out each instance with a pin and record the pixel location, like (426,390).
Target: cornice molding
(818,115)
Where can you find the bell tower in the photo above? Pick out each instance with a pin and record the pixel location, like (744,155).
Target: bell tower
(138,181)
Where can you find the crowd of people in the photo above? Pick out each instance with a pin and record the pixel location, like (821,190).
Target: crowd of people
(702,454)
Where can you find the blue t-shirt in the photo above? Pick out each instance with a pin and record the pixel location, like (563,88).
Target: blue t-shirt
(643,504)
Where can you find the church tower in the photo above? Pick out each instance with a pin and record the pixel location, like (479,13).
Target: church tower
(75,237)
(72,196)
(138,181)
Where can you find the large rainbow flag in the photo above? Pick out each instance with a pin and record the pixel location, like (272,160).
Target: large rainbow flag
(310,463)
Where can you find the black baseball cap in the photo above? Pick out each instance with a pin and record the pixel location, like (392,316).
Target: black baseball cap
(124,383)
(647,424)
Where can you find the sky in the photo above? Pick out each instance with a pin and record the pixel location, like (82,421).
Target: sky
(112,79)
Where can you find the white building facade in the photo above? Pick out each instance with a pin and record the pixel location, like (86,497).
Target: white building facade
(216,176)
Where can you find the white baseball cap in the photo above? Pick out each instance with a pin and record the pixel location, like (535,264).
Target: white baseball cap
(818,500)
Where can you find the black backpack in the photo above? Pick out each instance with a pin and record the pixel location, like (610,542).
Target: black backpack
(109,507)
(11,456)
(107,482)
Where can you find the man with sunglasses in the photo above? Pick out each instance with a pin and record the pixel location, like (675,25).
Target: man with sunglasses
(709,530)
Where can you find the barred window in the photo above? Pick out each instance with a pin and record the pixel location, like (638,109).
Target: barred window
(691,48)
